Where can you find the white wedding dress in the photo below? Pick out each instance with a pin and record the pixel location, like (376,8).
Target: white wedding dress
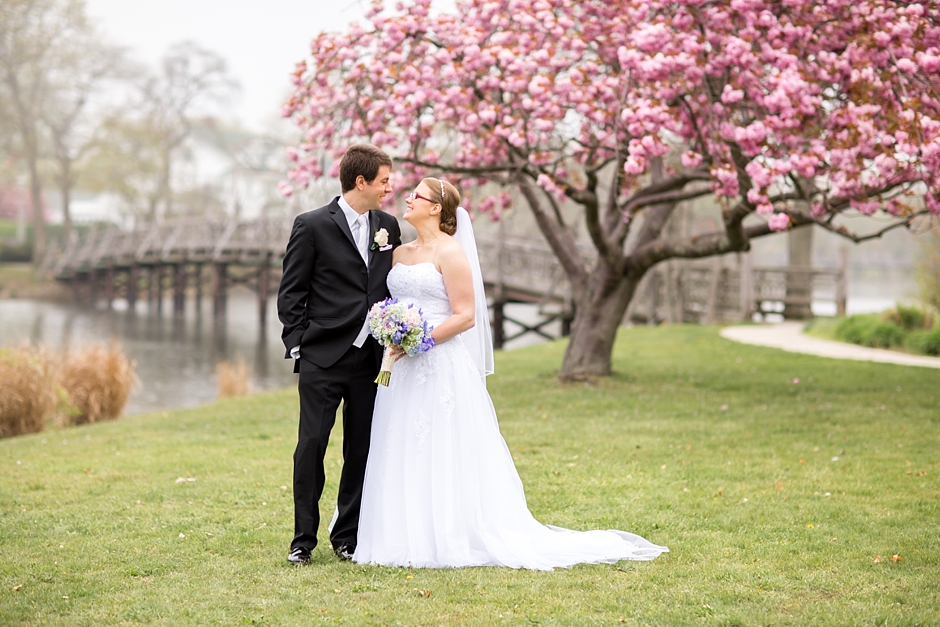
(440,488)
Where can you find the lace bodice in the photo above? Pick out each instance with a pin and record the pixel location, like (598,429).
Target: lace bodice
(422,285)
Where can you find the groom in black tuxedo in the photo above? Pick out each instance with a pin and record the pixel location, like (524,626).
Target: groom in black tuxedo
(335,266)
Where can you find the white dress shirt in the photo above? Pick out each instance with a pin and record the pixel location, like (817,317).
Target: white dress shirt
(360,233)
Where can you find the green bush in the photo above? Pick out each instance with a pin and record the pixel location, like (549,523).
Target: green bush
(885,335)
(854,328)
(870,330)
(926,342)
(13,251)
(908,318)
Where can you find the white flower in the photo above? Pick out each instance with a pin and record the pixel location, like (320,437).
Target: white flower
(381,238)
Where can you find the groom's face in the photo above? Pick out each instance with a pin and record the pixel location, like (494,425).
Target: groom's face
(374,193)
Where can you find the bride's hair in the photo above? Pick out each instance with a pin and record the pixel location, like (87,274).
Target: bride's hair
(447,196)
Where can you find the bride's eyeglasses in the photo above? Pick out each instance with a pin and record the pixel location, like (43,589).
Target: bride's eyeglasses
(414,195)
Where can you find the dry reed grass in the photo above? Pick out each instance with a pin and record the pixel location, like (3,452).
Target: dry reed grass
(27,393)
(97,381)
(233,378)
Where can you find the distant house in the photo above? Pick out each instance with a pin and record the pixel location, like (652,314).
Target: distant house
(15,203)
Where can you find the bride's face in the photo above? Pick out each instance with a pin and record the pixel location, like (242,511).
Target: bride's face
(420,206)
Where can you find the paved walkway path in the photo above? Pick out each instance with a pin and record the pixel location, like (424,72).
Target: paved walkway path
(789,337)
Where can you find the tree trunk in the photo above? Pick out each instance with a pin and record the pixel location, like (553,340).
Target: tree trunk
(596,320)
(35,196)
(65,189)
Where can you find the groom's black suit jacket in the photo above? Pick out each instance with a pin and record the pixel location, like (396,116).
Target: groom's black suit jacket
(326,289)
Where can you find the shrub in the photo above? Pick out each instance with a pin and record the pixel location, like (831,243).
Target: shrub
(233,378)
(885,335)
(27,394)
(926,342)
(909,318)
(870,330)
(97,382)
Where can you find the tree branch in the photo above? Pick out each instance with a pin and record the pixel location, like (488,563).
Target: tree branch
(800,219)
(587,198)
(561,240)
(717,242)
(668,191)
(499,168)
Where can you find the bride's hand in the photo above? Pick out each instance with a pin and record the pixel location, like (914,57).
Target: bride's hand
(396,351)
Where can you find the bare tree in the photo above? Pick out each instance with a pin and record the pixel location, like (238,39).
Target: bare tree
(140,143)
(80,71)
(125,160)
(30,31)
(191,81)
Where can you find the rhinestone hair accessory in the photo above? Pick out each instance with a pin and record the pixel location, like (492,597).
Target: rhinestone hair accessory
(441,181)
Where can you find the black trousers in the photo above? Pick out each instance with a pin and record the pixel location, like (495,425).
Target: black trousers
(351,380)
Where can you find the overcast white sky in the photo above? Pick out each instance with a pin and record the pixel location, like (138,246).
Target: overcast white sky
(260,40)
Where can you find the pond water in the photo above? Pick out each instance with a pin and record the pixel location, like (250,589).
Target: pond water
(176,356)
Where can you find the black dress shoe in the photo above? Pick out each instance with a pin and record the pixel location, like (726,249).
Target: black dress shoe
(345,552)
(299,555)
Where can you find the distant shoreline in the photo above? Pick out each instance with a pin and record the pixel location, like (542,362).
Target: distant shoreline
(17,281)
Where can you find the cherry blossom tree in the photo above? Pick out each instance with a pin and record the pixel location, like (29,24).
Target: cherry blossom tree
(786,112)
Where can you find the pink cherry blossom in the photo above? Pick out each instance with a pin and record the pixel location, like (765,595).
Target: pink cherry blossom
(285,189)
(797,110)
(779,222)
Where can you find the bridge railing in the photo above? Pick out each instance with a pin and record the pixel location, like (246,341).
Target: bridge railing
(525,266)
(180,241)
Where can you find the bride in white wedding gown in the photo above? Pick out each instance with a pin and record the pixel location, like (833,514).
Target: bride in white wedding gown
(440,486)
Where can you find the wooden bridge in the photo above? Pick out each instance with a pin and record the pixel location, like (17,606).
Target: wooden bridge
(193,256)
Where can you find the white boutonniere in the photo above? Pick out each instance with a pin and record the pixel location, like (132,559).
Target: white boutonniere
(380,240)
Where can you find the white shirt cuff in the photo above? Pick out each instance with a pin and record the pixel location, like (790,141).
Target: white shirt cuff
(295,352)
(363,334)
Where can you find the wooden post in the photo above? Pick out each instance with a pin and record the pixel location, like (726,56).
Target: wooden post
(499,314)
(156,280)
(220,283)
(197,271)
(842,281)
(132,279)
(264,286)
(799,279)
(711,307)
(499,320)
(746,302)
(654,282)
(179,288)
(671,284)
(150,288)
(94,285)
(567,315)
(109,286)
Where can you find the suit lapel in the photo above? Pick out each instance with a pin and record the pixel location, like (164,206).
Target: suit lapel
(340,219)
(373,227)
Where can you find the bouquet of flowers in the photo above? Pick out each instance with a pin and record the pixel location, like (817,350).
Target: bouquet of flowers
(396,324)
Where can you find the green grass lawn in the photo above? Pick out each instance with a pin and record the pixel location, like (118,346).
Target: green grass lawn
(775,480)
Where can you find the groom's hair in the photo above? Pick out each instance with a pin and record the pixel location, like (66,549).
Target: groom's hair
(361,160)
